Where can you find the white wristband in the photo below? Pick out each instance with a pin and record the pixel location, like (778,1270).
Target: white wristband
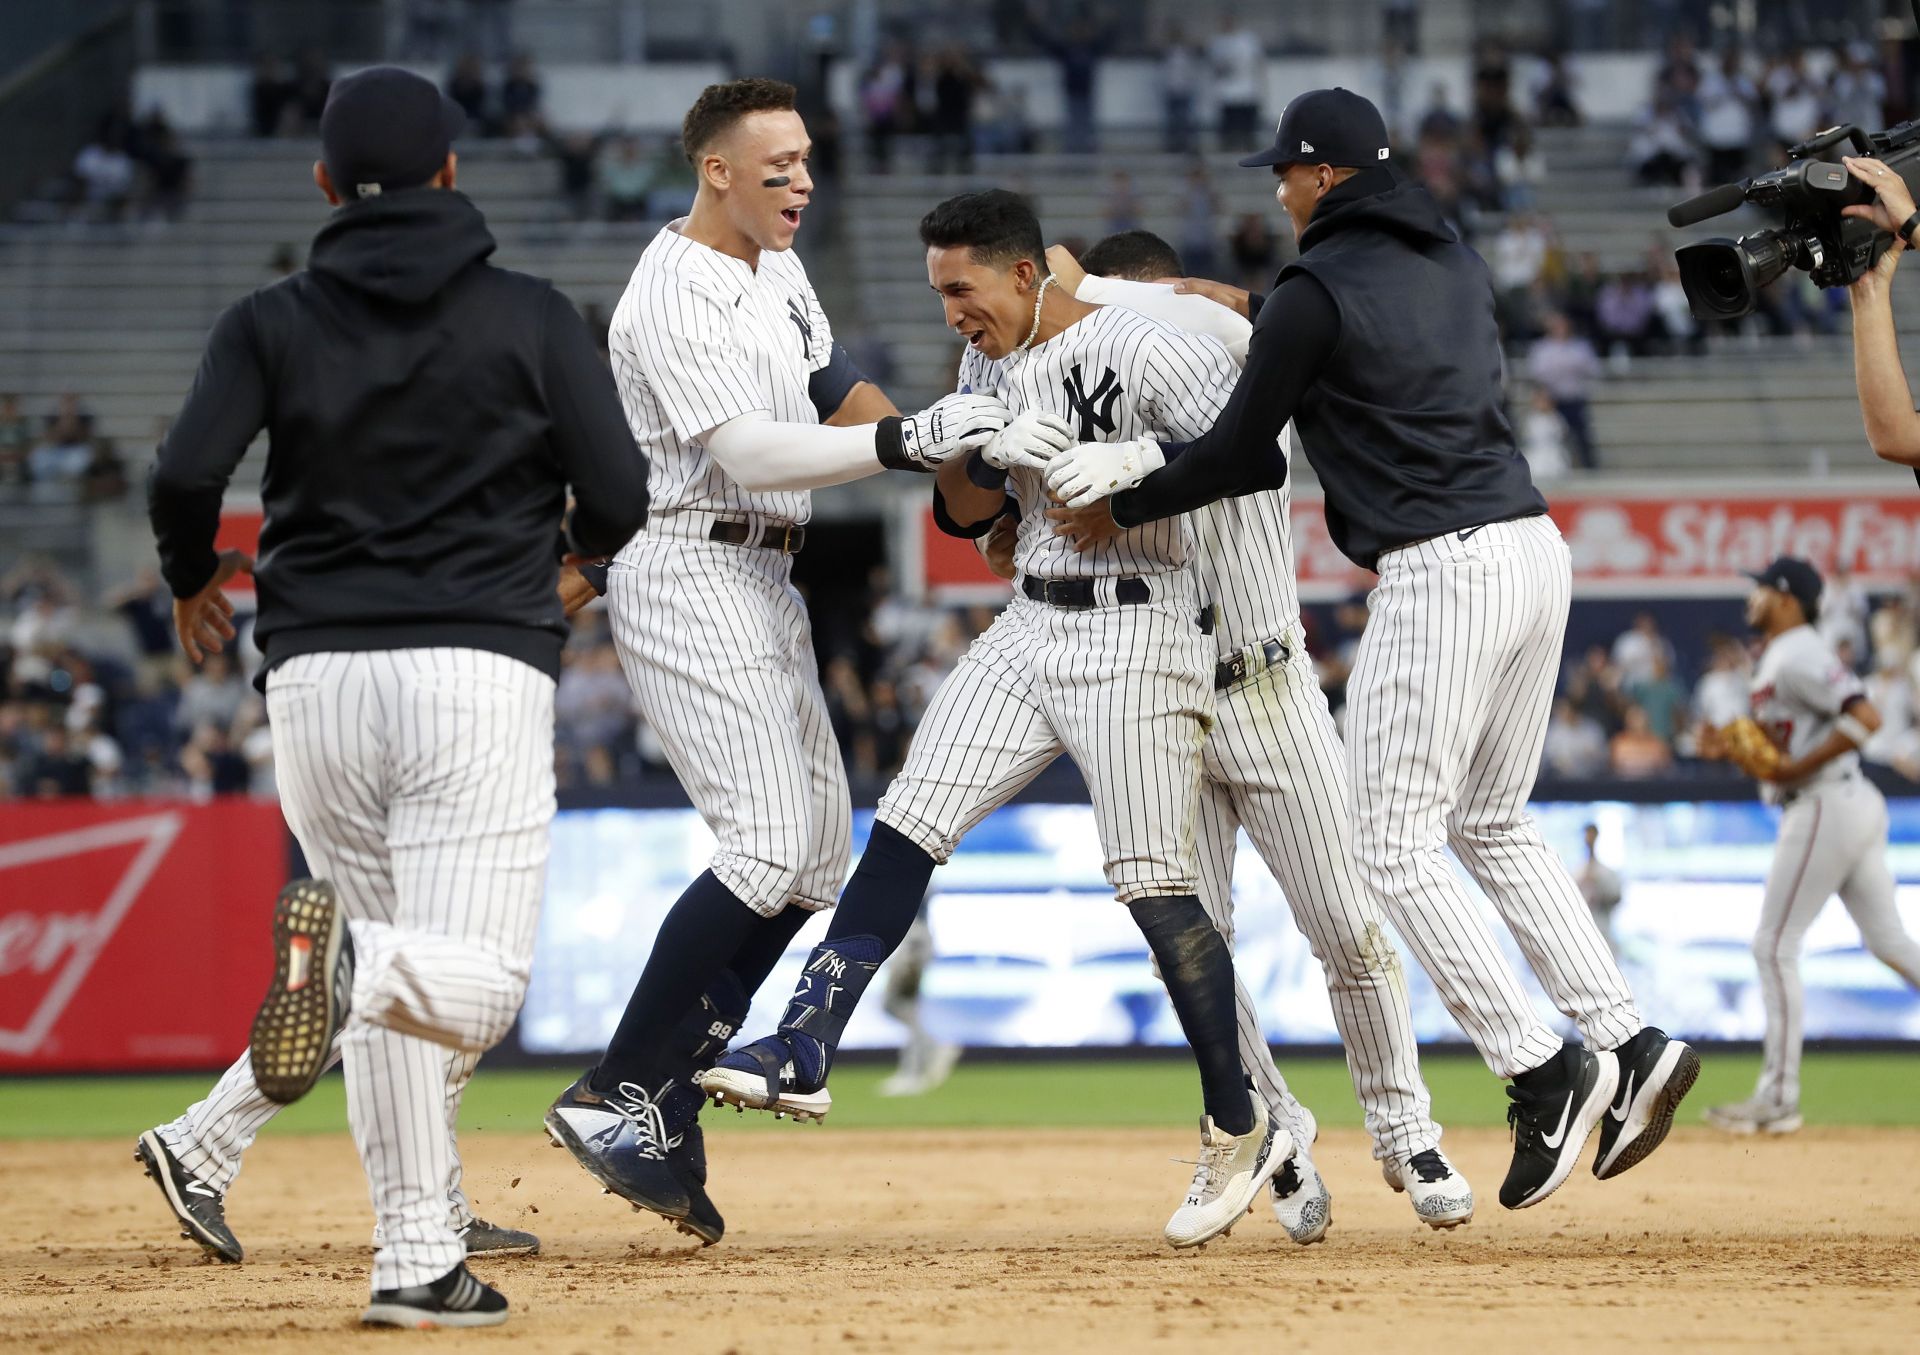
(1853,731)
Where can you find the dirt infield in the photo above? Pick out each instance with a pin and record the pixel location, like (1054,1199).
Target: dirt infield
(996,1240)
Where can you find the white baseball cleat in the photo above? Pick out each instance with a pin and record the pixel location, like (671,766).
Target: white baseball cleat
(1228,1177)
(1440,1195)
(1301,1201)
(1755,1116)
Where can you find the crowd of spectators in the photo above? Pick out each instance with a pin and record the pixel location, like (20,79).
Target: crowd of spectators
(129,170)
(58,457)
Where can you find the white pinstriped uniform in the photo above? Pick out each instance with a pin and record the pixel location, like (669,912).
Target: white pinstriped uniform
(1446,715)
(419,782)
(1124,689)
(1833,840)
(713,637)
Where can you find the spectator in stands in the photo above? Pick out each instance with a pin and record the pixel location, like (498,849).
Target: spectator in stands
(1677,79)
(65,449)
(593,710)
(1580,294)
(1662,697)
(1003,128)
(956,86)
(103,173)
(1843,611)
(1077,49)
(1576,746)
(211,694)
(1623,313)
(16,438)
(212,765)
(1239,62)
(467,86)
(1722,694)
(1593,685)
(1564,366)
(1198,239)
(1729,101)
(1439,119)
(1519,259)
(269,96)
(1545,439)
(1793,98)
(1123,204)
(1520,169)
(1254,251)
(169,168)
(1896,743)
(105,477)
(886,105)
(1857,93)
(1636,751)
(1662,152)
(520,95)
(311,81)
(1180,82)
(1638,649)
(1555,98)
(626,176)
(1893,630)
(1673,318)
(52,769)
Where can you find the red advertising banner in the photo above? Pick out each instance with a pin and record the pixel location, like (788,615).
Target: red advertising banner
(134,935)
(1672,539)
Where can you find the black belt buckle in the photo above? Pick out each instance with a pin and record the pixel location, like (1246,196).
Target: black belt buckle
(785,538)
(1229,671)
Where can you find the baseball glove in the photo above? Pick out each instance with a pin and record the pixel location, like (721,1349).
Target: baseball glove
(1748,747)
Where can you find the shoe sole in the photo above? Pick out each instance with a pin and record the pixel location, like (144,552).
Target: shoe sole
(747,1091)
(422,1319)
(1579,1131)
(1650,1117)
(707,1233)
(151,1153)
(483,1254)
(564,1137)
(1277,1156)
(293,1032)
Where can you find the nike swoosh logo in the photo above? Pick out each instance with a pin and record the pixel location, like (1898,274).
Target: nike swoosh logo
(1559,1135)
(1468,532)
(1619,1112)
(199,1189)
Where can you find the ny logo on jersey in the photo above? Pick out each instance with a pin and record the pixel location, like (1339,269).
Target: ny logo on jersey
(1093,408)
(798,314)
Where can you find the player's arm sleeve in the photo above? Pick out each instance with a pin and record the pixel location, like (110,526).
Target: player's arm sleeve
(1188,312)
(1241,453)
(590,437)
(225,409)
(830,384)
(765,456)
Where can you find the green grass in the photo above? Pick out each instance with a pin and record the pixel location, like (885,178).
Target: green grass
(1849,1089)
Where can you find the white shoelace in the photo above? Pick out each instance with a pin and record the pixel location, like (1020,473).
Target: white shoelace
(1210,1172)
(645,1116)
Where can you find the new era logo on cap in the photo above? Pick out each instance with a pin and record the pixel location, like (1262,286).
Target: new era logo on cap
(1306,149)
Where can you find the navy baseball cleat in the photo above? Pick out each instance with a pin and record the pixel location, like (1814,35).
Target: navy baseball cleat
(201,1209)
(623,1140)
(688,1158)
(306,1005)
(783,1073)
(1655,1074)
(456,1299)
(1553,1109)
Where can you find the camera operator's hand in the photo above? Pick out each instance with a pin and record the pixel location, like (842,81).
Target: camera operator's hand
(1893,203)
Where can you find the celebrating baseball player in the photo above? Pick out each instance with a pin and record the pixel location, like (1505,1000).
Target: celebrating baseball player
(427,414)
(1379,343)
(1802,742)
(734,387)
(1103,655)
(1274,764)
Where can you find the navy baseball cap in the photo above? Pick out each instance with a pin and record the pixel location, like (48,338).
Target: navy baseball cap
(1796,578)
(386,128)
(1327,127)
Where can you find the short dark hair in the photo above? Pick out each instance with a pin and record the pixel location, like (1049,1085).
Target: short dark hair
(1139,255)
(720,107)
(997,226)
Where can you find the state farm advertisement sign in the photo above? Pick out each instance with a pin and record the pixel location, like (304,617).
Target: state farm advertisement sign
(134,935)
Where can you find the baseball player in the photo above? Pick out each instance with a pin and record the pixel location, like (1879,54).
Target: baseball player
(733,386)
(427,414)
(1812,717)
(1101,655)
(1275,764)
(1379,344)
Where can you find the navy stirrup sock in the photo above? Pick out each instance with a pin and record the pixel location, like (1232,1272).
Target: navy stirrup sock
(1198,971)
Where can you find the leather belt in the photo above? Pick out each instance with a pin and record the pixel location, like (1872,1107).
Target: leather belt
(780,536)
(1231,670)
(1081,593)
(1789,797)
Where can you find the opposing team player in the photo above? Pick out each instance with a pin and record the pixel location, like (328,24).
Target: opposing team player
(1812,717)
(1275,765)
(1379,344)
(1101,655)
(427,413)
(734,388)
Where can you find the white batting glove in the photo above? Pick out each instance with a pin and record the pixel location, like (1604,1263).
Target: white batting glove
(1031,440)
(949,427)
(1094,470)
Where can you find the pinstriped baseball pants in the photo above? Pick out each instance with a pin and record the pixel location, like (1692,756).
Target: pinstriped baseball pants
(1446,716)
(419,782)
(1274,765)
(715,644)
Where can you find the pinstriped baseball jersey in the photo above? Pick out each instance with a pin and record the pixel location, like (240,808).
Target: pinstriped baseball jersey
(1245,568)
(700,337)
(1799,688)
(1114,376)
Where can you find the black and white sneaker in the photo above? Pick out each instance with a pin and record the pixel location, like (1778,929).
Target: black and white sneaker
(456,1299)
(1440,1194)
(687,1155)
(622,1138)
(1655,1074)
(490,1239)
(1553,1109)
(201,1209)
(306,1005)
